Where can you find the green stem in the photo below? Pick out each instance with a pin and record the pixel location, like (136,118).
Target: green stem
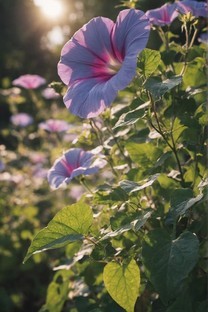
(174,229)
(97,131)
(84,183)
(119,147)
(193,38)
(172,146)
(177,159)
(99,136)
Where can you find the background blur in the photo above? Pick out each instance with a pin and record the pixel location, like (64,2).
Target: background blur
(32,33)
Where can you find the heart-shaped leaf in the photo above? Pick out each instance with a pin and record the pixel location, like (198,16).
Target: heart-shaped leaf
(122,281)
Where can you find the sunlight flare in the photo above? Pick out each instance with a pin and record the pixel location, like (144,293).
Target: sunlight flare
(52,9)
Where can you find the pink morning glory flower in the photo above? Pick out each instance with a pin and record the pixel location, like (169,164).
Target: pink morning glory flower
(29,81)
(163,15)
(50,93)
(21,120)
(101,59)
(73,163)
(54,125)
(196,8)
(37,158)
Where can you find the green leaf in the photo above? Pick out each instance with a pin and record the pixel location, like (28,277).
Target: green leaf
(178,129)
(134,225)
(195,74)
(142,220)
(131,187)
(132,116)
(122,281)
(168,262)
(181,201)
(57,292)
(68,225)
(202,114)
(143,154)
(161,160)
(183,303)
(122,229)
(106,194)
(159,88)
(149,61)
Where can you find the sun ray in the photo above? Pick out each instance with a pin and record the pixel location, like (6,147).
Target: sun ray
(52,9)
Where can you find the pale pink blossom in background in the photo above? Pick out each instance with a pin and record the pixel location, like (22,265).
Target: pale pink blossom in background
(8,177)
(37,158)
(54,125)
(50,93)
(21,120)
(29,81)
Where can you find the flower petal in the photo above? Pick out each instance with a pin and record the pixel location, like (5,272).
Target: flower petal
(130,33)
(73,163)
(88,98)
(125,74)
(86,50)
(196,8)
(163,15)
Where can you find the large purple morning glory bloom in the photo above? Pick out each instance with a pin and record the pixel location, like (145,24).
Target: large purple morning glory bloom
(72,164)
(196,8)
(163,15)
(100,59)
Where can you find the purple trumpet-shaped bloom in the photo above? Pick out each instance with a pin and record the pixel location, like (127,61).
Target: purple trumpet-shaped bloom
(194,7)
(203,38)
(101,59)
(54,125)
(73,163)
(21,120)
(163,15)
(29,81)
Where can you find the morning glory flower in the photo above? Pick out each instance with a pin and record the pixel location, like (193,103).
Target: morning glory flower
(54,125)
(29,81)
(2,166)
(203,38)
(21,120)
(50,93)
(163,15)
(73,163)
(196,8)
(101,59)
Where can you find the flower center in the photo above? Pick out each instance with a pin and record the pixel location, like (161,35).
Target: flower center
(113,66)
(69,168)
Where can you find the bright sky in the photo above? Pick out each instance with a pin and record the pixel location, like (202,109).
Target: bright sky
(53,9)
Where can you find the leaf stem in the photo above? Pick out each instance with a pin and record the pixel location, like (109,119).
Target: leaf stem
(91,240)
